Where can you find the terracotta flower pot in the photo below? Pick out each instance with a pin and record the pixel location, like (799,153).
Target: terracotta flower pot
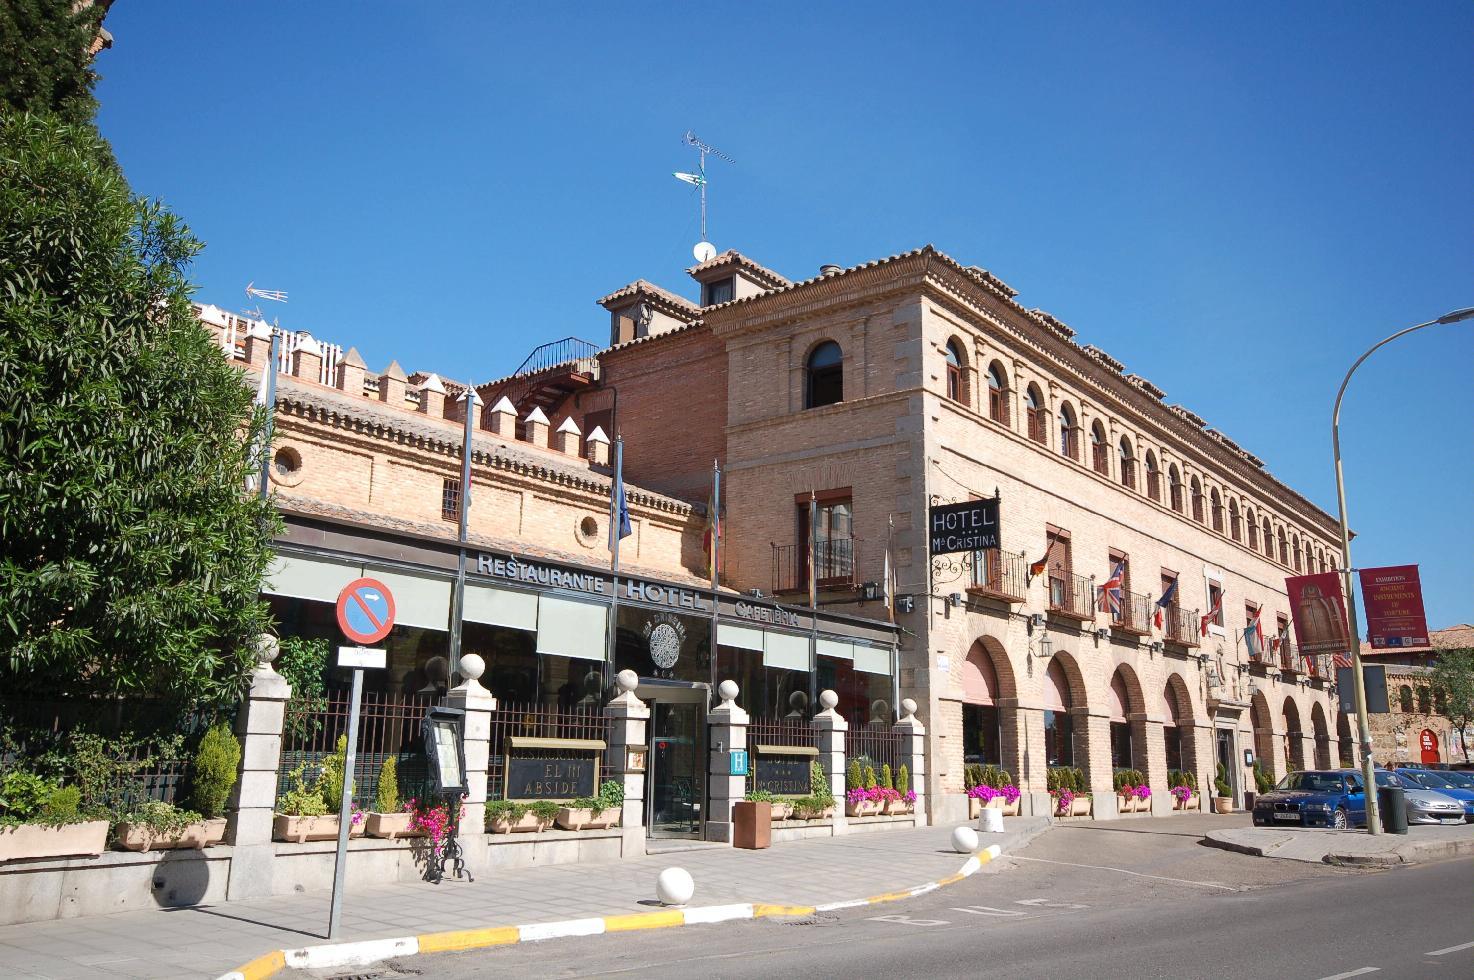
(197,835)
(996,803)
(390,826)
(893,807)
(528,823)
(1223,804)
(1081,806)
(865,808)
(34,841)
(300,829)
(781,809)
(583,818)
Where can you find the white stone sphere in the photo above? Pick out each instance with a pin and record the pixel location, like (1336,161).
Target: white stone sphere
(728,690)
(675,887)
(828,699)
(627,680)
(964,840)
(472,666)
(268,648)
(908,707)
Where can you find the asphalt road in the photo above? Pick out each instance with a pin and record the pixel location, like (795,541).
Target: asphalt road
(1078,902)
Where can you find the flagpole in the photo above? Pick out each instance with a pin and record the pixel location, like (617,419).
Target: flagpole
(715,518)
(813,598)
(616,495)
(270,414)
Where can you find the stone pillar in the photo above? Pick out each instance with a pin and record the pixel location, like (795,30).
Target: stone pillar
(351,373)
(598,447)
(536,427)
(478,704)
(1032,775)
(913,755)
(1199,758)
(831,728)
(307,359)
(627,758)
(392,385)
(504,418)
(258,725)
(1152,761)
(567,438)
(1093,754)
(432,397)
(727,731)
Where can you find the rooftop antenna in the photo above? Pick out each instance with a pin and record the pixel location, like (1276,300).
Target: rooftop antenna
(704,249)
(275,295)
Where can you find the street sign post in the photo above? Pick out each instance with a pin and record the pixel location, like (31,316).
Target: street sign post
(365,615)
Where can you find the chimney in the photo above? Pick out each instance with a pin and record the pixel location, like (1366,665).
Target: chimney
(432,397)
(567,438)
(392,384)
(829,270)
(504,418)
(350,378)
(258,343)
(598,447)
(307,359)
(536,425)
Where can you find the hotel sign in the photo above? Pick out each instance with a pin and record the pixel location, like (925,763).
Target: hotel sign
(969,526)
(591,583)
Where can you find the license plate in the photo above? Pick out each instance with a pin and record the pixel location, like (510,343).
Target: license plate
(1451,819)
(1287,816)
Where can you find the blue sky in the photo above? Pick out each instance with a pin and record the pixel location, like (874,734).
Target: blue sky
(1234,200)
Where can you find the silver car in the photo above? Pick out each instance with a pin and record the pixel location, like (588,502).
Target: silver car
(1424,805)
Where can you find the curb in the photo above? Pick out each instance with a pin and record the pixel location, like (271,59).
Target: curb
(368,951)
(1409,853)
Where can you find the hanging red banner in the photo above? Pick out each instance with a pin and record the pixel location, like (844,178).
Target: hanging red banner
(1318,608)
(1393,597)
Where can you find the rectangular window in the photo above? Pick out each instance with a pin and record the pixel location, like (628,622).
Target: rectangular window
(1215,601)
(450,500)
(713,293)
(834,543)
(1060,567)
(954,382)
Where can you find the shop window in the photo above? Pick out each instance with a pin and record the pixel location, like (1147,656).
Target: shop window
(450,500)
(1121,745)
(1172,737)
(824,376)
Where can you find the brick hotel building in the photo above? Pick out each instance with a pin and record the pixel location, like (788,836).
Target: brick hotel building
(877,390)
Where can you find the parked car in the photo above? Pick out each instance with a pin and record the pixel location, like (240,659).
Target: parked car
(1459,778)
(1334,798)
(1440,782)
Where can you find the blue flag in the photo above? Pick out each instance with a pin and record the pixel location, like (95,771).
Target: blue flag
(621,504)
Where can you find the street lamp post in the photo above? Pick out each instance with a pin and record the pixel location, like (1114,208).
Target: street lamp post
(1358,685)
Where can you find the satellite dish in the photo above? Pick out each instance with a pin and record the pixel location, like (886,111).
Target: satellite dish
(704,251)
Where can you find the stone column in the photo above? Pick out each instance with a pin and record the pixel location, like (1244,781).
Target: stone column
(503,421)
(1032,774)
(831,728)
(1093,754)
(258,725)
(478,704)
(1199,758)
(629,718)
(727,732)
(1152,756)
(913,755)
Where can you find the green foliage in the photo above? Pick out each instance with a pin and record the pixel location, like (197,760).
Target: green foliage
(903,780)
(302,662)
(386,797)
(23,795)
(1220,782)
(1263,782)
(163,821)
(1179,777)
(887,781)
(216,764)
(760,796)
(1066,777)
(1453,684)
(853,779)
(994,776)
(610,795)
(1127,777)
(545,810)
(106,770)
(509,810)
(330,779)
(303,799)
(869,777)
(820,797)
(972,775)
(63,806)
(44,47)
(130,559)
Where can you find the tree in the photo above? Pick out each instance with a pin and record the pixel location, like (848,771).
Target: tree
(46,48)
(130,557)
(1453,679)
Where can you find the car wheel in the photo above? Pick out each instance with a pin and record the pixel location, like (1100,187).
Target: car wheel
(1339,820)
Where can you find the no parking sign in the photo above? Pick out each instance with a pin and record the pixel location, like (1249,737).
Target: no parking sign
(365,611)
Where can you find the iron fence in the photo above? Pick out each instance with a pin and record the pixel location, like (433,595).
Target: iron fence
(1001,574)
(528,720)
(388,727)
(781,732)
(875,747)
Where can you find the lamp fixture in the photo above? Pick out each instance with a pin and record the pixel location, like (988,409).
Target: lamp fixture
(954,600)
(1046,646)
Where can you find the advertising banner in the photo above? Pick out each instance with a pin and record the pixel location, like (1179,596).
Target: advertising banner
(1393,598)
(1318,608)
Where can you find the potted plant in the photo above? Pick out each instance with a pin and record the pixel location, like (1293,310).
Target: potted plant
(156,825)
(1223,801)
(517,817)
(432,821)
(819,804)
(864,800)
(388,820)
(1184,789)
(40,818)
(1132,793)
(972,777)
(903,787)
(304,812)
(594,812)
(779,808)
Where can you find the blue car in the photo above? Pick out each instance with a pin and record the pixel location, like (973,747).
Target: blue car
(1440,783)
(1313,798)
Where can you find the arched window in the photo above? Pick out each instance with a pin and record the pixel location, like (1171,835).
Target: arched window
(1253,529)
(825,376)
(1235,526)
(1069,432)
(1405,698)
(1128,465)
(1038,415)
(1215,508)
(1100,453)
(1268,539)
(1320,559)
(997,393)
(1295,551)
(1425,700)
(955,390)
(1284,548)
(1197,496)
(1174,487)
(1153,478)
(1332,559)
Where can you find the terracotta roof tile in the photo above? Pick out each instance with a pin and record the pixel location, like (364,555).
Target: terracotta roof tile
(731,256)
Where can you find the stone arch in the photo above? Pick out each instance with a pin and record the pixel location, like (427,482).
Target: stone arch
(1126,708)
(1067,735)
(1262,721)
(1322,736)
(989,707)
(1294,735)
(1179,734)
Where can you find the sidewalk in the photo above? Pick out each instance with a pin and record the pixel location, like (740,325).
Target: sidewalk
(206,941)
(1348,847)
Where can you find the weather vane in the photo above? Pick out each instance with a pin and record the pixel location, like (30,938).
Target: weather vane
(704,249)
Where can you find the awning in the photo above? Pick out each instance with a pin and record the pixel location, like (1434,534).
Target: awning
(786,651)
(500,607)
(572,628)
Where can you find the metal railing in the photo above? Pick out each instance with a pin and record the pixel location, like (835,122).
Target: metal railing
(1136,613)
(539,721)
(388,725)
(1288,660)
(875,747)
(1001,574)
(835,565)
(795,732)
(1071,595)
(1181,626)
(570,355)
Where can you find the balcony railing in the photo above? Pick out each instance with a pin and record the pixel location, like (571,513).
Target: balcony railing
(835,562)
(1265,656)
(1136,614)
(1000,575)
(1071,595)
(1289,658)
(1182,626)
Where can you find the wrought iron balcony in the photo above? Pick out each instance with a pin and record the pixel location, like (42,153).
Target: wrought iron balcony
(1289,658)
(1070,595)
(1182,626)
(1135,615)
(999,575)
(836,564)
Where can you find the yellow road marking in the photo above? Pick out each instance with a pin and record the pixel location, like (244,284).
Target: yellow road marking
(447,942)
(644,920)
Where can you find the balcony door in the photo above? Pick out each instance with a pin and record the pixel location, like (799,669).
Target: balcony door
(834,543)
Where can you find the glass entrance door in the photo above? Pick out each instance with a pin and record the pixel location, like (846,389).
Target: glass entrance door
(677,769)
(1226,759)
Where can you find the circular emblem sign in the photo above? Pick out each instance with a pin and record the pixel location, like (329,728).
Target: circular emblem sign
(665,646)
(365,611)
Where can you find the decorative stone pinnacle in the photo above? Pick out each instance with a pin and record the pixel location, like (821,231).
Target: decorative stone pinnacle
(627,681)
(569,426)
(908,708)
(598,435)
(504,404)
(537,415)
(472,666)
(268,648)
(727,690)
(827,700)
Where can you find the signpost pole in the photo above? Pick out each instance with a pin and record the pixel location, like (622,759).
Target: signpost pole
(345,809)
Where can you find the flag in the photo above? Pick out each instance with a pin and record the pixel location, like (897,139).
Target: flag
(712,539)
(1212,615)
(1037,568)
(619,504)
(1164,602)
(1254,635)
(1341,660)
(1108,598)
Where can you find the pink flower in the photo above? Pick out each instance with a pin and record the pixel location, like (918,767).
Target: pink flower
(1143,791)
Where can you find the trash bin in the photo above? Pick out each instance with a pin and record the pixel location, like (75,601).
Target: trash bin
(1392,807)
(752,825)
